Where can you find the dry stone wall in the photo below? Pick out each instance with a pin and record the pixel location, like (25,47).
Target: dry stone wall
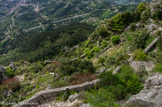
(49,95)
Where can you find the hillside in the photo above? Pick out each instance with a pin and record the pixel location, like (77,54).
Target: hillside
(118,63)
(20,16)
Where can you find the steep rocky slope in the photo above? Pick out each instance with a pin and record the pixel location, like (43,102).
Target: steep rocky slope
(114,62)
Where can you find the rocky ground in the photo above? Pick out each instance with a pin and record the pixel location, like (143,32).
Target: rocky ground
(151,95)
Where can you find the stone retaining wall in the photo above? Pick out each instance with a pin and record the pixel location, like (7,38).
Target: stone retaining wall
(49,95)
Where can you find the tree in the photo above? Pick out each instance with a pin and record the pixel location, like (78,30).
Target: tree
(141,7)
(118,23)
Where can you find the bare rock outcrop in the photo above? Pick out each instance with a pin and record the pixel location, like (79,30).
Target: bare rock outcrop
(148,65)
(151,95)
(155,5)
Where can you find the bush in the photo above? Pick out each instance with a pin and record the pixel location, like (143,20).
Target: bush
(103,32)
(133,86)
(158,15)
(140,55)
(158,68)
(9,72)
(104,44)
(108,79)
(140,39)
(96,49)
(70,67)
(101,98)
(88,52)
(122,84)
(133,27)
(115,39)
(36,67)
(101,60)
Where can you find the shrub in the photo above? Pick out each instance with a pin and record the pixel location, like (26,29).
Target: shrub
(101,60)
(96,49)
(133,86)
(36,67)
(140,39)
(9,72)
(70,67)
(122,84)
(101,98)
(157,15)
(127,17)
(104,44)
(88,52)
(115,39)
(158,68)
(141,7)
(140,55)
(103,32)
(108,79)
(133,27)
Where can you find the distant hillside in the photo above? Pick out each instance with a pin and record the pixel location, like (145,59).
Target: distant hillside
(18,16)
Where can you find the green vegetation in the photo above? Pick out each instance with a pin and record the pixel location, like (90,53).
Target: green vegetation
(96,49)
(158,68)
(104,44)
(114,88)
(140,39)
(41,46)
(101,98)
(141,7)
(140,55)
(115,39)
(123,84)
(9,72)
(77,53)
(88,52)
(158,15)
(70,67)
